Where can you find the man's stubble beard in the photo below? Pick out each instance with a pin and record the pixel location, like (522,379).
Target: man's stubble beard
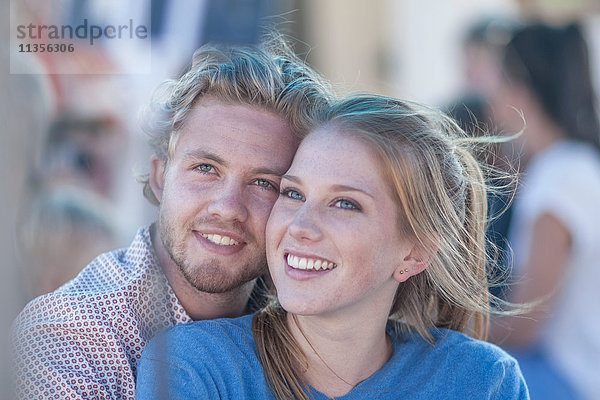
(210,276)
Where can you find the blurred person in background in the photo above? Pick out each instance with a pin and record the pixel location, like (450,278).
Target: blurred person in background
(222,135)
(66,214)
(555,231)
(483,47)
(25,107)
(71,188)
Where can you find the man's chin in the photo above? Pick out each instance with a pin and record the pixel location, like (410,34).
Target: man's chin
(228,287)
(213,280)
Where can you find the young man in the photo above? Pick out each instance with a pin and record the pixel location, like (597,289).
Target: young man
(224,133)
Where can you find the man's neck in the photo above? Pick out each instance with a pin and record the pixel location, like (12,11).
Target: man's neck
(197,304)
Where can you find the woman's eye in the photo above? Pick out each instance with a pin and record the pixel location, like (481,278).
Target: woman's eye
(347,205)
(292,194)
(263,183)
(206,168)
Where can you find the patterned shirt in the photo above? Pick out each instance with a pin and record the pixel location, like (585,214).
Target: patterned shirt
(84,340)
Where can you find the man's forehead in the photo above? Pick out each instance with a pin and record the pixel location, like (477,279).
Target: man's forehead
(236,135)
(232,151)
(218,112)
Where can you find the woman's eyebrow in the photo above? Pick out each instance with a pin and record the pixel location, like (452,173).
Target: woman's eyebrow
(292,178)
(346,188)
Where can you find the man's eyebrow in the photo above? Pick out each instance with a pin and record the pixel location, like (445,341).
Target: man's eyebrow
(337,188)
(197,154)
(203,154)
(266,171)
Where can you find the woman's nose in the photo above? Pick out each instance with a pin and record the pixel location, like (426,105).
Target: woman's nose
(305,224)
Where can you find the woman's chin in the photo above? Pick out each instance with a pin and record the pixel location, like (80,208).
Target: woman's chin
(299,307)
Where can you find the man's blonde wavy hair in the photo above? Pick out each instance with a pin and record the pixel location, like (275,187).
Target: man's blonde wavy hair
(269,76)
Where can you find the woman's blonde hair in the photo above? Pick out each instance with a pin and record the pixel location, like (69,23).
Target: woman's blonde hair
(269,76)
(441,196)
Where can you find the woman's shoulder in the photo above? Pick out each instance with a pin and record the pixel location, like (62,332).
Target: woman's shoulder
(471,367)
(466,349)
(463,346)
(225,334)
(194,361)
(219,326)
(446,343)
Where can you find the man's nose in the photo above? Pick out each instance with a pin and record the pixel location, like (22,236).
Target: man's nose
(229,202)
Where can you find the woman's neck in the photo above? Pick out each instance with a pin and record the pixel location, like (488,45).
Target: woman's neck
(340,354)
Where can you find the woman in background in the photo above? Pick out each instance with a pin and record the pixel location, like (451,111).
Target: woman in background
(555,233)
(376,248)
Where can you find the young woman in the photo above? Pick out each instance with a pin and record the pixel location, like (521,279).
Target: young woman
(376,249)
(555,231)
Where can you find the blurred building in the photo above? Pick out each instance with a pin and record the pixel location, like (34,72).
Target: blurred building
(92,146)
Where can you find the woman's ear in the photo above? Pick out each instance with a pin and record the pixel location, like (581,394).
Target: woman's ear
(157,177)
(419,258)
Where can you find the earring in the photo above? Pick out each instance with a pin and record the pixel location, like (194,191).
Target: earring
(405,269)
(401,272)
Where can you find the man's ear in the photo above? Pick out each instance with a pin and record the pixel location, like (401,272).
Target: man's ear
(419,258)
(157,177)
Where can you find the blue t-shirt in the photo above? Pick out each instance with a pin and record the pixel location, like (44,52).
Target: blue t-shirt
(217,360)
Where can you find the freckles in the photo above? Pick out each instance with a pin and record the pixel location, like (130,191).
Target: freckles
(366,273)
(340,292)
(279,217)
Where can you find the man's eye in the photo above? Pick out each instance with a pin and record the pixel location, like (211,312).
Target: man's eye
(263,183)
(207,168)
(346,205)
(292,194)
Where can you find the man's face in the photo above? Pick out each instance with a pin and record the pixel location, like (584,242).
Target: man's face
(217,190)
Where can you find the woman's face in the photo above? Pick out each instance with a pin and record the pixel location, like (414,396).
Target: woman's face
(333,240)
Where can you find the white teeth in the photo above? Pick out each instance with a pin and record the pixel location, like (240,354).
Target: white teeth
(220,240)
(308,263)
(302,264)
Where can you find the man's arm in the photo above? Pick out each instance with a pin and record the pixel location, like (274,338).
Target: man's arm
(74,355)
